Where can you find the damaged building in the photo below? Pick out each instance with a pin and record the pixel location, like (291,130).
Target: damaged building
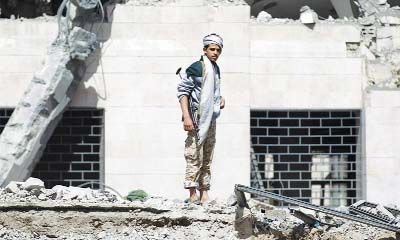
(311,92)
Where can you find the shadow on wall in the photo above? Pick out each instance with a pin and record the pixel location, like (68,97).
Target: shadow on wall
(101,25)
(291,8)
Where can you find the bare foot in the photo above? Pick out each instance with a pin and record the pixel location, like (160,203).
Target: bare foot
(193,195)
(204,198)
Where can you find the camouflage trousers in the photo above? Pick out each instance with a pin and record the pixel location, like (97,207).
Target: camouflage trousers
(198,159)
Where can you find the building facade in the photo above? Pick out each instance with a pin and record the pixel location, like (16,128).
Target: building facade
(300,118)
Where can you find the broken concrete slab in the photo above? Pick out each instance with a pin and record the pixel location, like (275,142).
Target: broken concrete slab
(389,19)
(308,16)
(379,72)
(370,7)
(32,183)
(12,187)
(367,21)
(263,16)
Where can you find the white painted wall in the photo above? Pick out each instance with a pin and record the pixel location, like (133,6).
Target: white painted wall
(295,67)
(281,66)
(382,155)
(144,135)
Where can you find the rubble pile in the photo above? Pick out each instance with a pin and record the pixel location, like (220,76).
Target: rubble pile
(380,43)
(148,2)
(278,223)
(215,3)
(155,218)
(30,211)
(33,190)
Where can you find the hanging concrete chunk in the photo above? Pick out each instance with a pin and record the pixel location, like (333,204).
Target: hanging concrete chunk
(50,91)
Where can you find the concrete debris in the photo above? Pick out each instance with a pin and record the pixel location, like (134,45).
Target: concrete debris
(215,3)
(263,17)
(308,16)
(278,223)
(32,183)
(380,38)
(380,42)
(394,58)
(390,17)
(12,187)
(149,2)
(82,43)
(364,51)
(379,74)
(367,21)
(33,190)
(97,214)
(370,7)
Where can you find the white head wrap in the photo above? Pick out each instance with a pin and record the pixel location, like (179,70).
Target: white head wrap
(213,38)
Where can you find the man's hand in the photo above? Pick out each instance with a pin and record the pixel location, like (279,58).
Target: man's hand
(188,124)
(187,119)
(222,104)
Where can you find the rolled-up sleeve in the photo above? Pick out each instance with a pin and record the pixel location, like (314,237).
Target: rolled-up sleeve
(185,87)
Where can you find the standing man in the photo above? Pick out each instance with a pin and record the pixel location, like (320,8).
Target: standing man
(201,102)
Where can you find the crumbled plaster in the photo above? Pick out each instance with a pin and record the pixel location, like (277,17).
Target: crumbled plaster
(380,43)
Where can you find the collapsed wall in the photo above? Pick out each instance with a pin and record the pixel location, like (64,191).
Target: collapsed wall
(40,108)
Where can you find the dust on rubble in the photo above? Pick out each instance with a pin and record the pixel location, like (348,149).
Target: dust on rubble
(30,211)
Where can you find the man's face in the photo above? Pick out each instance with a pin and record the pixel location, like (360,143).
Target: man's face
(212,52)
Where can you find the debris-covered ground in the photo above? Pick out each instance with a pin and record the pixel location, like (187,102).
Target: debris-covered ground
(29,211)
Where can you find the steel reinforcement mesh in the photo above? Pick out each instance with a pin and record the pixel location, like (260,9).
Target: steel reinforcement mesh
(314,156)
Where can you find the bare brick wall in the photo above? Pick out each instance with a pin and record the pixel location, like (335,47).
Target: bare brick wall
(73,153)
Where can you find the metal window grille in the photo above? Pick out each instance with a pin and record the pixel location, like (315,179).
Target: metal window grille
(74,153)
(310,155)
